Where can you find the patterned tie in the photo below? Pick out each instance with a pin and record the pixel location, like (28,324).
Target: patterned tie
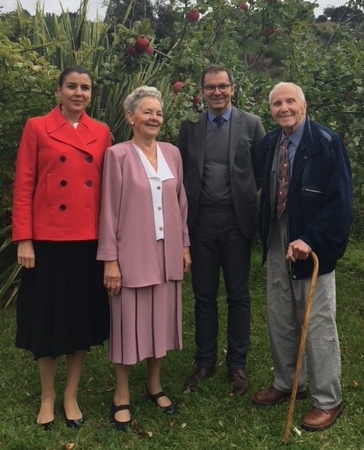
(219,120)
(283,177)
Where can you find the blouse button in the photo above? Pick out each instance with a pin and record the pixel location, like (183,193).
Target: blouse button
(160,228)
(158,187)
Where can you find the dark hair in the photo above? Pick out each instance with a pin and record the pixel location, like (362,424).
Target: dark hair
(72,69)
(216,69)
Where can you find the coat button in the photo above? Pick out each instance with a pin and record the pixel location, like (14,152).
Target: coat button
(89,159)
(62,158)
(62,207)
(89,183)
(63,183)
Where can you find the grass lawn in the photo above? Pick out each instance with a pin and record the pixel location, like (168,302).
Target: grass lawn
(210,418)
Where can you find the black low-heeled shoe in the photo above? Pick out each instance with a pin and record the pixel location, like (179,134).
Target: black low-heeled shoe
(76,424)
(120,426)
(72,423)
(170,409)
(46,426)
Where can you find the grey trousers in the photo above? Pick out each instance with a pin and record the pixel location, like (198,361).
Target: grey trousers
(286,300)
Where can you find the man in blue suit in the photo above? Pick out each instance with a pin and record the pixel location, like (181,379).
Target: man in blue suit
(222,175)
(315,215)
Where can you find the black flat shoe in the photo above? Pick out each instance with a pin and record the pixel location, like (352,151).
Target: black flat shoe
(76,424)
(170,409)
(72,423)
(120,426)
(46,426)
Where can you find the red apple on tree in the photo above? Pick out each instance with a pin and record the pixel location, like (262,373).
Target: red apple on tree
(149,50)
(244,6)
(141,43)
(131,51)
(196,100)
(193,15)
(268,31)
(178,85)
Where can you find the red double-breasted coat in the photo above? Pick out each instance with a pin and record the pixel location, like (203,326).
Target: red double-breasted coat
(58,178)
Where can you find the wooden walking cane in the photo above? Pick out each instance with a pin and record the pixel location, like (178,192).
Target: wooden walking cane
(301,348)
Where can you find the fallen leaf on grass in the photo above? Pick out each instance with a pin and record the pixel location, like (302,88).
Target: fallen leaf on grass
(297,431)
(149,433)
(355,384)
(183,425)
(69,446)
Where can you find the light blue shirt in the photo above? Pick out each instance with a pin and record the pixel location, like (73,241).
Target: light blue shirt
(295,139)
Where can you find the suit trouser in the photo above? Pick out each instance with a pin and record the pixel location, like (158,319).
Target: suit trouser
(286,300)
(216,241)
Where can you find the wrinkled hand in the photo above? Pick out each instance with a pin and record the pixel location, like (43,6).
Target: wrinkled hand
(297,249)
(26,256)
(112,277)
(186,259)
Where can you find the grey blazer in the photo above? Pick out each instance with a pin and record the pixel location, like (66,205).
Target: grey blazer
(246,133)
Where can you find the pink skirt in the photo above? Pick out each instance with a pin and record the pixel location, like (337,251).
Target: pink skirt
(146,322)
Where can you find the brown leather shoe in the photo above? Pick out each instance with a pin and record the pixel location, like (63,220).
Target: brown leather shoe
(200,374)
(239,380)
(321,419)
(272,396)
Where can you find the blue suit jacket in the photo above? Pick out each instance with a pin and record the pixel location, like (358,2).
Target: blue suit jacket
(319,202)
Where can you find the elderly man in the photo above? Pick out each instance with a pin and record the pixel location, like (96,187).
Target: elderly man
(306,205)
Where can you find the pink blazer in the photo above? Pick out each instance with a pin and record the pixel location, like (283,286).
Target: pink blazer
(58,178)
(127,232)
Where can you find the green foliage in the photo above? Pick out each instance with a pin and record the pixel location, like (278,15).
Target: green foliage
(27,87)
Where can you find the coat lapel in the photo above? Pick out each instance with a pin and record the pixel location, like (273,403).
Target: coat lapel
(236,124)
(200,134)
(60,130)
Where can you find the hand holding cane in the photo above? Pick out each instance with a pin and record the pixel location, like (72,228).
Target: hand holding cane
(301,348)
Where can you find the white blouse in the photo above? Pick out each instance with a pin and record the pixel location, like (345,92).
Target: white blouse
(156,179)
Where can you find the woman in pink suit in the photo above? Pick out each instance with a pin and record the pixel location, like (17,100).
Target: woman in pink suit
(62,306)
(144,244)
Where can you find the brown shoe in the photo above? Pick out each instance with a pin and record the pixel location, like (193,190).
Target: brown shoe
(200,374)
(239,380)
(321,419)
(272,396)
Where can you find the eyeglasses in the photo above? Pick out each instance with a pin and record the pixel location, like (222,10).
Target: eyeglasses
(210,88)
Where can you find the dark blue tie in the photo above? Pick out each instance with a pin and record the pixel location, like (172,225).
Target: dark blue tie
(219,120)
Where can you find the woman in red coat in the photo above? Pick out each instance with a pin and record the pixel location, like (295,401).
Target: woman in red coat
(62,306)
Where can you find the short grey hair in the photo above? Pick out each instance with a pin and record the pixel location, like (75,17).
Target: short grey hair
(132,101)
(299,90)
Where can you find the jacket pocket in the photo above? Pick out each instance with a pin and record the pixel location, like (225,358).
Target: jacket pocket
(312,191)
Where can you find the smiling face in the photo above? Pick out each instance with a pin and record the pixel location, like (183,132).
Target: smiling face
(147,118)
(218,102)
(75,93)
(287,107)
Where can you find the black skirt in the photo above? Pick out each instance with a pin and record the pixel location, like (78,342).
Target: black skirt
(62,305)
